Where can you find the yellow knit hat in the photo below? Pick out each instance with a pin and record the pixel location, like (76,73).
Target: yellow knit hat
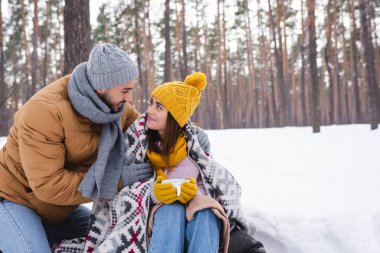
(181,98)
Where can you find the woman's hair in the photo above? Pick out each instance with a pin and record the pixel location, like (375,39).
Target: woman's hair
(171,134)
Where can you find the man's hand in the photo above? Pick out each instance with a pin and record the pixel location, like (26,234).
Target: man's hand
(135,172)
(202,138)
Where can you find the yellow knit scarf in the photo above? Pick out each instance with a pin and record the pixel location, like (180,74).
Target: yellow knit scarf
(158,162)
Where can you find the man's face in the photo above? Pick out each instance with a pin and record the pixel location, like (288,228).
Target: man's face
(116,96)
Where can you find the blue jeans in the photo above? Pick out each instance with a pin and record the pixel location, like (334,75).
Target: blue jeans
(23,231)
(172,233)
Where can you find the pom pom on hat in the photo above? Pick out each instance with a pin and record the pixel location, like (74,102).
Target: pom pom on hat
(181,98)
(197,79)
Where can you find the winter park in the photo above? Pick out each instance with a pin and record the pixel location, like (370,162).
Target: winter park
(304,192)
(190,126)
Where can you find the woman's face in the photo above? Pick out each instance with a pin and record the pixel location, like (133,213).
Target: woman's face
(157,116)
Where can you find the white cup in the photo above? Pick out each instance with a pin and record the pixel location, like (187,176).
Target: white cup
(176,183)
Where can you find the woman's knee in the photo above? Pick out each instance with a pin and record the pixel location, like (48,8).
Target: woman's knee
(174,210)
(207,218)
(207,214)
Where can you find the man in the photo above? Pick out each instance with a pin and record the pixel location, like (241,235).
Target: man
(66,148)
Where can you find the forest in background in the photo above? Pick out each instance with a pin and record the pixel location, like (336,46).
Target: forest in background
(269,63)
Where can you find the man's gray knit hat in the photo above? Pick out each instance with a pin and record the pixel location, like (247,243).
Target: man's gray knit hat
(109,66)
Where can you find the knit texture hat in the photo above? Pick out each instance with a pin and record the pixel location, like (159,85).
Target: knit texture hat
(109,66)
(181,98)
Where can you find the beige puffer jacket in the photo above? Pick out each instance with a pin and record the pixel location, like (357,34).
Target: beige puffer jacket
(48,151)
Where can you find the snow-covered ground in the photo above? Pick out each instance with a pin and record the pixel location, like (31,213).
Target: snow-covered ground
(304,192)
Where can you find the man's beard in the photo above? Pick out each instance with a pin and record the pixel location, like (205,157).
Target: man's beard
(107,100)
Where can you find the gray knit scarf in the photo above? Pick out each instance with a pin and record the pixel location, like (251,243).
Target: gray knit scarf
(103,176)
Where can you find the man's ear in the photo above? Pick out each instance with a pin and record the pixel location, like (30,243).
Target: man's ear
(100,91)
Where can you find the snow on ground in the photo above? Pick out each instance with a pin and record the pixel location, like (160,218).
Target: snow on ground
(307,192)
(304,192)
(2,141)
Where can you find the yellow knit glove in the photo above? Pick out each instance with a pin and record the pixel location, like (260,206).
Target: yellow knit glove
(188,190)
(165,193)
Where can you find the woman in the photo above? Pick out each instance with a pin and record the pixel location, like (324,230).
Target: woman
(171,106)
(200,218)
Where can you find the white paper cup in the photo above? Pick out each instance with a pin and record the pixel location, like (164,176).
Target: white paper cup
(176,183)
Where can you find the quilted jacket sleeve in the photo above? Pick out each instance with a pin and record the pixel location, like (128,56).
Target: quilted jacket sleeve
(42,154)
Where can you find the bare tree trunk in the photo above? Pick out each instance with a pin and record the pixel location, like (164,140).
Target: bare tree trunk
(168,61)
(210,93)
(220,105)
(148,42)
(303,99)
(323,98)
(272,121)
(16,83)
(137,31)
(316,112)
(377,50)
(280,77)
(46,43)
(35,63)
(58,43)
(199,115)
(287,80)
(337,86)
(104,23)
(372,27)
(178,59)
(211,86)
(354,67)
(373,91)
(285,87)
(3,85)
(294,108)
(363,88)
(137,42)
(344,97)
(227,85)
(26,87)
(263,105)
(77,33)
(197,38)
(184,43)
(328,64)
(149,81)
(251,115)
(240,94)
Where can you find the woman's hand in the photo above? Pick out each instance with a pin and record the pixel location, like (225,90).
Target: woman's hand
(165,193)
(188,191)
